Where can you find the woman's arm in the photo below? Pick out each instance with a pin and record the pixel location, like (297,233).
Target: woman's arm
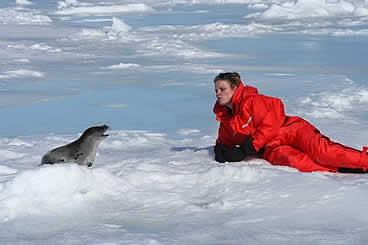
(269,115)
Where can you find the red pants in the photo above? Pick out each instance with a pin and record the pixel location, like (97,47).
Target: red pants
(300,145)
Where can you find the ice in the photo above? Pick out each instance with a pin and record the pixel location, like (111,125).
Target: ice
(146,69)
(173,195)
(7,170)
(336,104)
(309,9)
(20,73)
(123,66)
(15,16)
(188,131)
(103,9)
(119,26)
(23,2)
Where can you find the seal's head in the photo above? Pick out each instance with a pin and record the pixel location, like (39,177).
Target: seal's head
(97,131)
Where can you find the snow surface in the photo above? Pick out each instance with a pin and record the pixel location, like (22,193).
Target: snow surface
(145,68)
(147,189)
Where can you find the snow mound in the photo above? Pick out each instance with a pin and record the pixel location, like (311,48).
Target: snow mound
(19,142)
(74,8)
(122,66)
(21,73)
(67,4)
(188,131)
(22,17)
(335,104)
(54,190)
(119,26)
(148,189)
(23,2)
(134,141)
(7,170)
(308,9)
(10,155)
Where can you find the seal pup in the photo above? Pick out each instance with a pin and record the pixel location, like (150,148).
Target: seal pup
(81,151)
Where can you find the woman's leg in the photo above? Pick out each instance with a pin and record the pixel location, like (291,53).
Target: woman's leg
(326,152)
(286,155)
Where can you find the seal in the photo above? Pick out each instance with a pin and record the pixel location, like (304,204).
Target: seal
(81,151)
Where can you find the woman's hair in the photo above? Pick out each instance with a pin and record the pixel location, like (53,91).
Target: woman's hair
(232,77)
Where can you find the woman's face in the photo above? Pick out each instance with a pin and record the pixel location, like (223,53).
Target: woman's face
(224,92)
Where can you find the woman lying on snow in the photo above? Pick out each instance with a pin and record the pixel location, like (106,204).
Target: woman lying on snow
(253,124)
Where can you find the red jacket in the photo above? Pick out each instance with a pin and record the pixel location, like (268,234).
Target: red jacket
(253,114)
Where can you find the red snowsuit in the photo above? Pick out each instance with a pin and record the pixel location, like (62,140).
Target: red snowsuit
(283,140)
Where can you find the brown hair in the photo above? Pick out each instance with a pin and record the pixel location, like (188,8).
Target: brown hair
(232,77)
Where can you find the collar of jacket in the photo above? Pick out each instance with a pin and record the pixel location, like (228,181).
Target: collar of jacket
(241,92)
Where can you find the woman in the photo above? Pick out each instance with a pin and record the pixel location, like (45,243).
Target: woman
(253,124)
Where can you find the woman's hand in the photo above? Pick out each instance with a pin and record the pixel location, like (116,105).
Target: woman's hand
(247,147)
(220,150)
(223,154)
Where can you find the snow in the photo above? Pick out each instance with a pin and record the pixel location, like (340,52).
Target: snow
(145,188)
(23,2)
(122,66)
(6,170)
(20,73)
(308,9)
(19,16)
(100,10)
(336,105)
(146,69)
(188,131)
(119,26)
(67,3)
